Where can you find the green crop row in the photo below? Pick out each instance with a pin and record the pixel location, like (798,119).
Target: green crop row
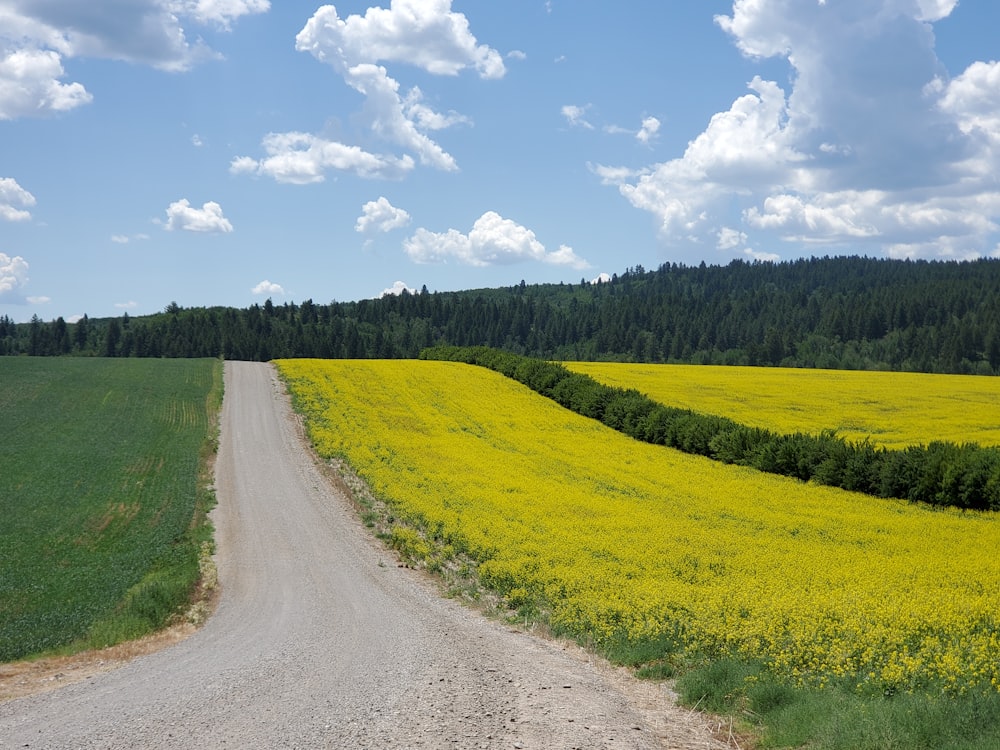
(102,505)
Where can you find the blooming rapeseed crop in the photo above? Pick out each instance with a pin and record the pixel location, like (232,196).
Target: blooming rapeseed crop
(892,409)
(618,538)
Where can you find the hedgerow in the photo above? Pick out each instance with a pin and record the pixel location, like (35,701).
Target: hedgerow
(940,473)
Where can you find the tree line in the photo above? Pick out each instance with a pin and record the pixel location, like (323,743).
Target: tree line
(941,473)
(839,313)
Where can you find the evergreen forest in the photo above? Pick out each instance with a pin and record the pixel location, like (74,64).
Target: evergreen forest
(830,312)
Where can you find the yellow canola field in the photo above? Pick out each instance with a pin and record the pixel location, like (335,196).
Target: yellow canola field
(621,538)
(892,409)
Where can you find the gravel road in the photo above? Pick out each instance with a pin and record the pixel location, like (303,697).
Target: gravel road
(320,640)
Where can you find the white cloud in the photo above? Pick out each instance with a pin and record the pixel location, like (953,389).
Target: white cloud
(150,32)
(302,158)
(973,100)
(874,147)
(614,175)
(124,239)
(182,215)
(268,287)
(761,256)
(38,300)
(423,33)
(426,118)
(130,305)
(381,216)
(397,288)
(389,116)
(838,214)
(493,240)
(223,12)
(576,116)
(730,238)
(14,200)
(37,36)
(30,85)
(648,131)
(13,276)
(565,256)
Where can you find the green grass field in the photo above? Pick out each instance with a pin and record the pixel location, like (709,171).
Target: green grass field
(101,501)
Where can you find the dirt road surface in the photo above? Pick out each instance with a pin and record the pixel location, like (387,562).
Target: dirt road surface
(321,641)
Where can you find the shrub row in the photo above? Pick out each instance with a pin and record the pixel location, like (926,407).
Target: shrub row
(964,476)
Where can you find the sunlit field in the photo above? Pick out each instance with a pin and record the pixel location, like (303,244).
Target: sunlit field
(892,409)
(101,514)
(615,539)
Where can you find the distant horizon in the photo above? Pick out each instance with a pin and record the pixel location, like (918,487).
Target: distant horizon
(222,152)
(603,278)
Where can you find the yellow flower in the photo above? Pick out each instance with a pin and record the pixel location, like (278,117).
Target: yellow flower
(614,538)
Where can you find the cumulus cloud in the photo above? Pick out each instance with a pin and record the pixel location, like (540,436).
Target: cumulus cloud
(423,33)
(972,99)
(397,288)
(648,130)
(30,85)
(396,119)
(150,32)
(182,215)
(762,257)
(426,118)
(381,216)
(730,238)
(13,276)
(268,287)
(37,36)
(303,158)
(222,13)
(14,200)
(872,146)
(493,240)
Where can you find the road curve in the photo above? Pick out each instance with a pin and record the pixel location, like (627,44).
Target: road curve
(321,641)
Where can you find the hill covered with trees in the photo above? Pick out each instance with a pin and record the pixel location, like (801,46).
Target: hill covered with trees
(842,312)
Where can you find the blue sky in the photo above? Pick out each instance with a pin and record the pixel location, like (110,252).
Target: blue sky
(220,152)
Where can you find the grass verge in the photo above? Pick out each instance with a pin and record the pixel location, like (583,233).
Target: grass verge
(779,715)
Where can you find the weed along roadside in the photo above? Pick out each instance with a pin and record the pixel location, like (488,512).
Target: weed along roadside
(107,489)
(803,610)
